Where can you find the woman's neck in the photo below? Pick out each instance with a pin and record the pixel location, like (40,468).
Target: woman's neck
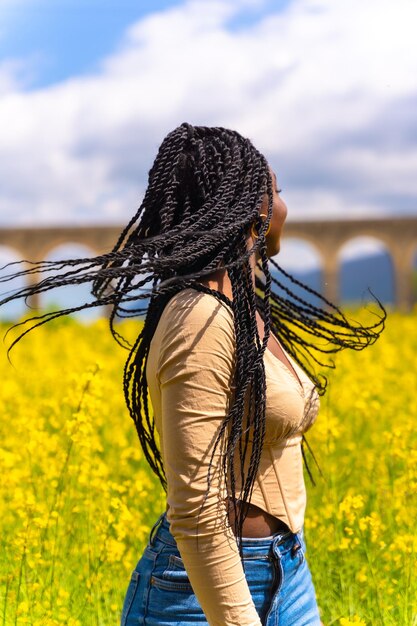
(220,281)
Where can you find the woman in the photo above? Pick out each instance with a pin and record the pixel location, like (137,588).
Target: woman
(226,363)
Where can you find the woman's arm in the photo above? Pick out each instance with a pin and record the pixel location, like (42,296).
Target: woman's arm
(196,377)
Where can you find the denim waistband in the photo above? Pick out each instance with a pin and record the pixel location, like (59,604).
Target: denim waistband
(162,528)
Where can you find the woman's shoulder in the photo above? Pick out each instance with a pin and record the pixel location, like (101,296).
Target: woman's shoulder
(193,322)
(190,307)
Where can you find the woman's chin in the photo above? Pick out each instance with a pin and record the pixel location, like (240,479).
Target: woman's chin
(273,250)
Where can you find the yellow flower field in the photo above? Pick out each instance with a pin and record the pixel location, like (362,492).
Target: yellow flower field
(77,499)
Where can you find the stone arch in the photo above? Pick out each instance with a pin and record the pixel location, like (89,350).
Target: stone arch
(301,257)
(15,309)
(62,242)
(414,275)
(398,234)
(70,295)
(364,262)
(367,233)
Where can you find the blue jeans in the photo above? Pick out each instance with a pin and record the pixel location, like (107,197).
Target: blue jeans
(159,592)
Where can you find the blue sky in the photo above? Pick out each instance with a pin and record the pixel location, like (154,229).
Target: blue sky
(68,37)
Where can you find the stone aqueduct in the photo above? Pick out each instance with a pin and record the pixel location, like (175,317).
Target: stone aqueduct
(399,235)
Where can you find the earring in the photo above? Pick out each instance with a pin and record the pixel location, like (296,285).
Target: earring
(254,235)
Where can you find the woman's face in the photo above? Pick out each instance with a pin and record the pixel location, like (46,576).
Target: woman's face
(279,214)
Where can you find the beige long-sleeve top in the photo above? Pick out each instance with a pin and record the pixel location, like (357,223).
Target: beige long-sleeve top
(189,372)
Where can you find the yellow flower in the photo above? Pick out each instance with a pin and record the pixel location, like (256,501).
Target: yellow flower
(352,621)
(77,498)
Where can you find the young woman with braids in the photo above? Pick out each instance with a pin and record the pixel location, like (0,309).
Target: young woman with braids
(226,362)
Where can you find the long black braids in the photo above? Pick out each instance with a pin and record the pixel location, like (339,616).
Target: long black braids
(204,192)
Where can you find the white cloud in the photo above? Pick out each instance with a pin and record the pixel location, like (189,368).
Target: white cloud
(306,84)
(311,203)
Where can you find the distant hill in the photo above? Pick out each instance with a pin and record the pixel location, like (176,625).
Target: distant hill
(356,275)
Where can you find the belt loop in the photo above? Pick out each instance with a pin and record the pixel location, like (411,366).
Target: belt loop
(282,537)
(158,522)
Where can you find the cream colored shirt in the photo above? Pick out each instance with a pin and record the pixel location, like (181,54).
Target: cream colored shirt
(189,372)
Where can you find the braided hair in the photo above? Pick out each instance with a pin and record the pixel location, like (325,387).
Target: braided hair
(204,192)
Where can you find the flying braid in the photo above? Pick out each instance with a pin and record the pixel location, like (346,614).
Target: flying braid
(204,192)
